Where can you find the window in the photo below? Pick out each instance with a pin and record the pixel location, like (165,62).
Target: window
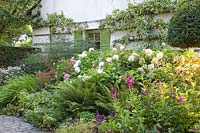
(94,38)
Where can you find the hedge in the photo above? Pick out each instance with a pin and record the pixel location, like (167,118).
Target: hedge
(184,29)
(12,56)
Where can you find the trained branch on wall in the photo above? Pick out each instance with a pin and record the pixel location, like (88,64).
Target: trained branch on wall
(139,20)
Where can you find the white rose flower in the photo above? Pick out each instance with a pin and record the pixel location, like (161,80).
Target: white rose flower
(108,59)
(83,54)
(163,44)
(91,49)
(140,69)
(80,76)
(159,55)
(151,66)
(134,54)
(77,69)
(100,70)
(131,58)
(195,66)
(84,77)
(101,64)
(115,57)
(154,61)
(121,47)
(77,63)
(114,49)
(149,52)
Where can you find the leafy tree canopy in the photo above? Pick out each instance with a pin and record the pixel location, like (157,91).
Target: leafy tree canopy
(14,16)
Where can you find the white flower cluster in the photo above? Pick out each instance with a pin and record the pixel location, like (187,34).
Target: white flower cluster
(82,55)
(10,68)
(118,47)
(156,59)
(84,77)
(131,58)
(10,72)
(114,57)
(100,68)
(148,52)
(91,49)
(76,66)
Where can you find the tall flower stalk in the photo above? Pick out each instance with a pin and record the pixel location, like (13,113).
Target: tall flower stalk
(129,81)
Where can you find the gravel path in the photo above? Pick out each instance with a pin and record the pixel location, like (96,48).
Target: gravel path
(12,124)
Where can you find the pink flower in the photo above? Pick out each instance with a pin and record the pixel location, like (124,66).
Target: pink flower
(147,92)
(129,81)
(72,60)
(67,76)
(180,99)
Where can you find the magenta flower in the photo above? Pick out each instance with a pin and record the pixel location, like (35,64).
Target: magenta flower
(72,60)
(114,92)
(180,99)
(67,76)
(129,81)
(147,92)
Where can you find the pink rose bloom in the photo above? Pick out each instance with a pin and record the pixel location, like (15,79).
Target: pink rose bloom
(180,99)
(72,60)
(67,76)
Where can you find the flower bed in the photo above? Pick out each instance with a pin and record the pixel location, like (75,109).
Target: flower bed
(129,90)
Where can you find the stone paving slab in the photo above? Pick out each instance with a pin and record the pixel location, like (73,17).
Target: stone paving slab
(12,124)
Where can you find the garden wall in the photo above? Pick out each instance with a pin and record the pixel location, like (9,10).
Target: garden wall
(12,56)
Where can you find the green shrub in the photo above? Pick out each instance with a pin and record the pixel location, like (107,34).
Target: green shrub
(60,50)
(79,127)
(38,110)
(77,96)
(184,29)
(9,93)
(12,56)
(33,63)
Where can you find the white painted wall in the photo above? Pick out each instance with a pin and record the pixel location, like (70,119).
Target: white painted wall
(116,35)
(83,10)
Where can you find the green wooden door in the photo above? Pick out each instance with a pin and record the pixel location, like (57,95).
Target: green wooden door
(105,40)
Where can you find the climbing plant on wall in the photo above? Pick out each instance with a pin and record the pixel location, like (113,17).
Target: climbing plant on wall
(59,25)
(139,20)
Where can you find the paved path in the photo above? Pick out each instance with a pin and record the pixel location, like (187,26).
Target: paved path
(12,124)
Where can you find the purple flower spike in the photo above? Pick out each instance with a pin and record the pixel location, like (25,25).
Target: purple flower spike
(114,92)
(129,81)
